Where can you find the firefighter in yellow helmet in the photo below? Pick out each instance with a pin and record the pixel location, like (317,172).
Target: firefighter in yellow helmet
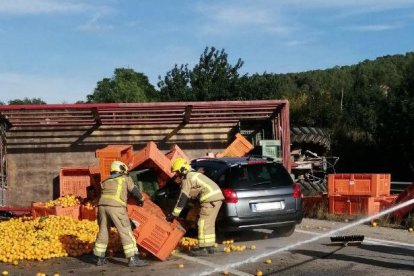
(112,208)
(196,185)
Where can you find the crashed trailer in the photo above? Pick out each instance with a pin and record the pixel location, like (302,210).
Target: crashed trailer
(38,140)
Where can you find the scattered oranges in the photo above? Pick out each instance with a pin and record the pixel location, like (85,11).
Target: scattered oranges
(187,243)
(181,266)
(268,261)
(259,272)
(410,229)
(374,224)
(253,247)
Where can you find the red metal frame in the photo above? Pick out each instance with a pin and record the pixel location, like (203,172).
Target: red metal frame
(154,113)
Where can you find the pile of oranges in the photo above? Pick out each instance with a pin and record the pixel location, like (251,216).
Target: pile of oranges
(49,237)
(187,243)
(64,201)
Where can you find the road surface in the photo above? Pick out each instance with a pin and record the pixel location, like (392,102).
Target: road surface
(384,251)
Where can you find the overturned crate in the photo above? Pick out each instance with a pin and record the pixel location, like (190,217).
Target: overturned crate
(111,153)
(238,148)
(153,232)
(151,157)
(176,152)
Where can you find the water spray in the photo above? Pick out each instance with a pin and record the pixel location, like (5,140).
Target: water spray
(323,235)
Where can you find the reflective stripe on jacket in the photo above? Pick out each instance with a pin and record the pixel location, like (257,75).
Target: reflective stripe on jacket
(115,190)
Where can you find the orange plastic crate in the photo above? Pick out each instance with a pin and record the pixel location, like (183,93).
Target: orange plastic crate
(111,153)
(353,205)
(40,210)
(87,213)
(238,148)
(149,206)
(312,204)
(359,184)
(153,232)
(74,181)
(176,152)
(151,157)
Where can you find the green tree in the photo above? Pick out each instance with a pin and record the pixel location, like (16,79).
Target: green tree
(27,101)
(213,78)
(125,86)
(176,84)
(396,131)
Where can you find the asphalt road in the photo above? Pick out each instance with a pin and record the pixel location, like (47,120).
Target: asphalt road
(384,251)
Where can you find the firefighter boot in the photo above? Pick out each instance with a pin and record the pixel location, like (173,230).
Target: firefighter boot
(211,250)
(136,261)
(101,261)
(199,252)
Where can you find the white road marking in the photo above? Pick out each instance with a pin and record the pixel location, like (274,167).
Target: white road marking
(210,264)
(368,239)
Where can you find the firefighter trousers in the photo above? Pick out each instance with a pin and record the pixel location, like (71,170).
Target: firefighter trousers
(119,217)
(207,223)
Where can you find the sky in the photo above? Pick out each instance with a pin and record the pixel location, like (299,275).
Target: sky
(58,50)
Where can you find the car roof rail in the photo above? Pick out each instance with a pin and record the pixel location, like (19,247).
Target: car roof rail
(260,157)
(210,159)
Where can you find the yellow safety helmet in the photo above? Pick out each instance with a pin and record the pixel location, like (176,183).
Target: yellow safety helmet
(180,165)
(118,166)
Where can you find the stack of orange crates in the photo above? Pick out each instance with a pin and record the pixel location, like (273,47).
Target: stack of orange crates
(358,194)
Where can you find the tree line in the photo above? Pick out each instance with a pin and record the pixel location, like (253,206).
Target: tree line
(368,108)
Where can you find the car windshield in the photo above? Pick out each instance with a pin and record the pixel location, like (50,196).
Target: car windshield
(259,176)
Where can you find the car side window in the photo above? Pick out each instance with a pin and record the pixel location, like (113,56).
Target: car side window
(206,170)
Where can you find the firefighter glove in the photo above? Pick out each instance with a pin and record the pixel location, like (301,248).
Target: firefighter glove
(170,217)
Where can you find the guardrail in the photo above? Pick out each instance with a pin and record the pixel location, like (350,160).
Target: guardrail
(397,187)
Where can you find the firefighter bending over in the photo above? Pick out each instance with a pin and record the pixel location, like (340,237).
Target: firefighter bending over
(197,185)
(112,208)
